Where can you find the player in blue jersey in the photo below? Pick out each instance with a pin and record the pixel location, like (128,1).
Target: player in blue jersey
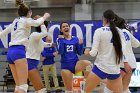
(49,65)
(108,48)
(131,41)
(69,47)
(20,31)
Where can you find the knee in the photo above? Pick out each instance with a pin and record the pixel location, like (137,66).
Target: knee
(87,62)
(129,74)
(89,67)
(88,90)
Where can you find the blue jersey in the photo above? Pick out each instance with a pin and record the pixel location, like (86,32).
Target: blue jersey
(68,49)
(48,54)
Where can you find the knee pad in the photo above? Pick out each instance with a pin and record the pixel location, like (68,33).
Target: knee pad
(106,90)
(89,67)
(43,90)
(23,87)
(67,91)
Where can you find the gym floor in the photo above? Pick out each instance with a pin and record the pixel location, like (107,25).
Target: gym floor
(31,90)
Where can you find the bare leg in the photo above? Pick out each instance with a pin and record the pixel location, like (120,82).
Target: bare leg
(67,77)
(81,66)
(115,85)
(91,82)
(35,78)
(14,73)
(126,77)
(21,68)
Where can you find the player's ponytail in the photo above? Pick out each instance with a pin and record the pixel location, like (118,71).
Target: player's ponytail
(109,15)
(120,22)
(23,9)
(19,2)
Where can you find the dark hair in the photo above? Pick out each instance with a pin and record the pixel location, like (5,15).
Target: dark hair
(109,16)
(38,29)
(23,9)
(120,22)
(61,33)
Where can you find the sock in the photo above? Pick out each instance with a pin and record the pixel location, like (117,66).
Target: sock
(67,91)
(43,90)
(106,90)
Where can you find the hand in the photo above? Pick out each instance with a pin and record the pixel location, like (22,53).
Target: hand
(37,16)
(80,41)
(46,16)
(127,67)
(53,44)
(86,52)
(60,36)
(55,53)
(42,58)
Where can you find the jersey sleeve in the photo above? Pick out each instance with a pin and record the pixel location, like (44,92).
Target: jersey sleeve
(124,58)
(95,45)
(5,31)
(47,44)
(79,48)
(35,23)
(60,45)
(42,34)
(134,42)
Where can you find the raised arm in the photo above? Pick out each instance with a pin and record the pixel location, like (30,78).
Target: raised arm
(60,46)
(39,21)
(47,44)
(42,34)
(79,47)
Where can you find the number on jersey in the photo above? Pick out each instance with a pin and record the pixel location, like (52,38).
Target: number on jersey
(15,27)
(69,48)
(127,38)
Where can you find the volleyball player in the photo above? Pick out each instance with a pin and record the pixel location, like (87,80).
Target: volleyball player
(107,47)
(131,41)
(68,47)
(20,31)
(34,49)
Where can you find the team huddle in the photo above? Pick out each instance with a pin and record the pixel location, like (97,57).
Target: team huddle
(112,46)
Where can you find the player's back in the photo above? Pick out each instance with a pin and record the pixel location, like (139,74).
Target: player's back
(130,41)
(106,58)
(106,49)
(35,47)
(20,31)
